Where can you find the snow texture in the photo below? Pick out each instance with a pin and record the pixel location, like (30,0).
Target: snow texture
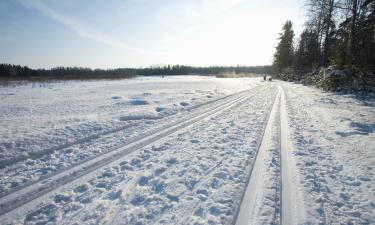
(185,150)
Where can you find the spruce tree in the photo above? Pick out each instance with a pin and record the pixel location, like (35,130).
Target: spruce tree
(283,58)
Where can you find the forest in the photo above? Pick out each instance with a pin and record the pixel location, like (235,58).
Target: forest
(8,71)
(336,48)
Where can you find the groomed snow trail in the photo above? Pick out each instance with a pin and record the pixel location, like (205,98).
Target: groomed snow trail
(292,204)
(171,120)
(321,148)
(264,177)
(197,178)
(273,194)
(188,117)
(272,153)
(15,208)
(35,190)
(52,127)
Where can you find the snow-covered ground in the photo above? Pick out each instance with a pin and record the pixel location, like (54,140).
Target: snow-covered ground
(185,150)
(334,139)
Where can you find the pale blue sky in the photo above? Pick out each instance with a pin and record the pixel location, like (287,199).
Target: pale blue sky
(134,33)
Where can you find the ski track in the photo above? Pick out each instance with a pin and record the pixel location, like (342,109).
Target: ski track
(199,204)
(185,206)
(79,113)
(210,172)
(10,205)
(278,153)
(292,205)
(319,182)
(273,194)
(36,118)
(41,153)
(263,190)
(99,137)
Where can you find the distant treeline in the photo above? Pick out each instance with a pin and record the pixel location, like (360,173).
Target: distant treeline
(9,71)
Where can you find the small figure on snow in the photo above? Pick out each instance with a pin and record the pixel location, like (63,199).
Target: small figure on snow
(270,79)
(265,78)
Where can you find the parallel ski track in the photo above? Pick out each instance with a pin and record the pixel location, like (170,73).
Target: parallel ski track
(21,197)
(210,171)
(41,153)
(197,204)
(291,208)
(259,143)
(97,136)
(201,181)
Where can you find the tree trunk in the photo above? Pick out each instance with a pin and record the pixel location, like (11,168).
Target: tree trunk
(351,36)
(318,40)
(328,21)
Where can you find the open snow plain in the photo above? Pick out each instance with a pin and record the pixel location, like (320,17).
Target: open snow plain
(185,150)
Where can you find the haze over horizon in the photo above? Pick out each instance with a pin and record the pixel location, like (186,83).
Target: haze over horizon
(140,33)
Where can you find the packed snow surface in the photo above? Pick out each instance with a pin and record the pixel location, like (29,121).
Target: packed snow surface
(185,150)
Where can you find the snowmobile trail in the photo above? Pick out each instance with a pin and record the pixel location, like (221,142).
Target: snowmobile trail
(21,201)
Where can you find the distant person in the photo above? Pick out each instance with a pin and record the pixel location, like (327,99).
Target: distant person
(265,78)
(270,79)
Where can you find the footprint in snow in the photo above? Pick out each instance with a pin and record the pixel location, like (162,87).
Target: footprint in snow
(82,188)
(171,161)
(160,109)
(143,180)
(184,104)
(214,211)
(138,101)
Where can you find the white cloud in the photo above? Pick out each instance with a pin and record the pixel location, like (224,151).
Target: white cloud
(195,32)
(83,30)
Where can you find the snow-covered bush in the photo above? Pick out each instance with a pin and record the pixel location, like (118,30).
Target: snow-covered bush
(331,79)
(312,78)
(287,74)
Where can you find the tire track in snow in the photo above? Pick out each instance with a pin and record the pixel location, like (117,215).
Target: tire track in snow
(37,190)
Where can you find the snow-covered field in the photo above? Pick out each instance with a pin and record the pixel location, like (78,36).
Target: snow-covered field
(185,150)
